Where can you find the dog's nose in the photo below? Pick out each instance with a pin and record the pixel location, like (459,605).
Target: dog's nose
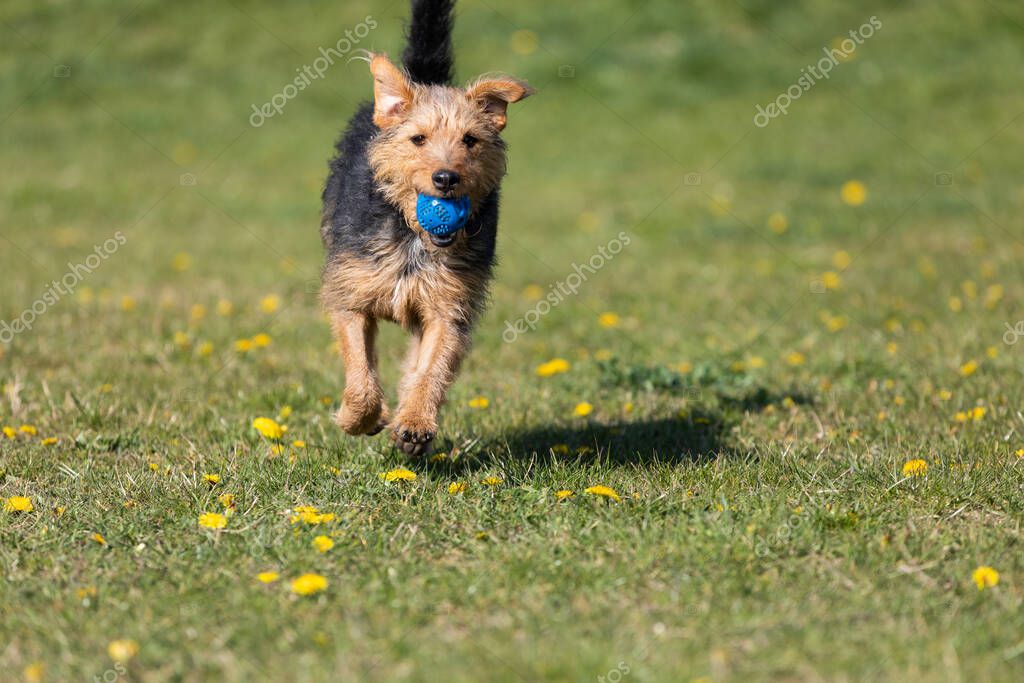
(445,180)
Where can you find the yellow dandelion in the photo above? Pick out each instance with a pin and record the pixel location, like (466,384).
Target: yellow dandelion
(213,520)
(270,303)
(756,362)
(308,584)
(262,340)
(18,504)
(49,441)
(993,294)
(98,539)
(992,352)
(205,349)
(985,577)
(225,307)
(34,672)
(226,499)
(10,432)
(533,292)
(603,491)
(197,312)
(478,402)
(961,416)
(955,304)
(968,368)
(491,481)
(298,443)
(778,223)
(796,358)
(181,261)
(122,650)
(608,319)
(892,348)
(268,577)
(28,429)
(831,280)
(553,367)
(841,259)
(562,494)
(211,478)
(182,340)
(853,193)
(243,345)
(603,354)
(400,474)
(945,394)
(269,428)
(456,487)
(978,412)
(583,409)
(628,407)
(560,449)
(323,543)
(915,468)
(127,304)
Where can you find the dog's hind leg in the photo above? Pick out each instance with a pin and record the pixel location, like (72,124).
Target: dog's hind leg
(362,408)
(439,351)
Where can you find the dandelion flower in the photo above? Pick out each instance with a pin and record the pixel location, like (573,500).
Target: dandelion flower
(98,539)
(853,193)
(985,577)
(553,367)
(268,428)
(479,402)
(122,650)
(400,474)
(608,319)
(796,358)
(831,280)
(945,394)
(28,429)
(915,468)
(560,449)
(978,412)
(18,504)
(262,340)
(1020,453)
(491,481)
(562,494)
(841,259)
(243,345)
(181,262)
(270,303)
(968,368)
(213,520)
(323,543)
(205,349)
(308,584)
(603,491)
(298,443)
(583,409)
(268,577)
(778,223)
(225,307)
(211,478)
(456,487)
(10,433)
(227,500)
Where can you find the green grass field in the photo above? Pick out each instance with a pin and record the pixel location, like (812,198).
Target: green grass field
(801,310)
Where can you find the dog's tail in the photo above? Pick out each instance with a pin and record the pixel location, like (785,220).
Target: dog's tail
(428,53)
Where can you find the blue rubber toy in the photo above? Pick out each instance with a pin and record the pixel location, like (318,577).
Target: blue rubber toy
(440,216)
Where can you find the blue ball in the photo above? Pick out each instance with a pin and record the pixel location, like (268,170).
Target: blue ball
(440,216)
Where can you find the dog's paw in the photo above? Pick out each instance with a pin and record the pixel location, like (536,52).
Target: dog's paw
(362,415)
(414,436)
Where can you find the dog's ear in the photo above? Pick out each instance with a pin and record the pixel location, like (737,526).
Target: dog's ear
(494,95)
(392,95)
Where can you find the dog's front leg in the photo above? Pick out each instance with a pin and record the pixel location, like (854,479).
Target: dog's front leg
(362,407)
(439,350)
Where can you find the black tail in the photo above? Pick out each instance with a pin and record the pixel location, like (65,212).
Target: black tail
(428,53)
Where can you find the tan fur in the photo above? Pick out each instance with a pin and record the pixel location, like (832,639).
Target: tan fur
(438,299)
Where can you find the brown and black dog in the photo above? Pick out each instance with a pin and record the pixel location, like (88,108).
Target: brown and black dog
(420,135)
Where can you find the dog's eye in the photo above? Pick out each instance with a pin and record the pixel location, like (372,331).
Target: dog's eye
(469,141)
(418,140)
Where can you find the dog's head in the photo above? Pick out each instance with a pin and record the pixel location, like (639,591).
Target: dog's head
(439,140)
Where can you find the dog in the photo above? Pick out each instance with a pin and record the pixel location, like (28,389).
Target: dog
(421,142)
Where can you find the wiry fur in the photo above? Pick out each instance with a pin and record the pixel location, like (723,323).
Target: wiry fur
(380,262)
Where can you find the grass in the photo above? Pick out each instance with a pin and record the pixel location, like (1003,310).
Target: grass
(754,421)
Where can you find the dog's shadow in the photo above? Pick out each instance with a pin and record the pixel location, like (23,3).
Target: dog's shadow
(698,435)
(691,438)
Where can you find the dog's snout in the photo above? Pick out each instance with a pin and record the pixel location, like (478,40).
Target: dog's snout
(445,179)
